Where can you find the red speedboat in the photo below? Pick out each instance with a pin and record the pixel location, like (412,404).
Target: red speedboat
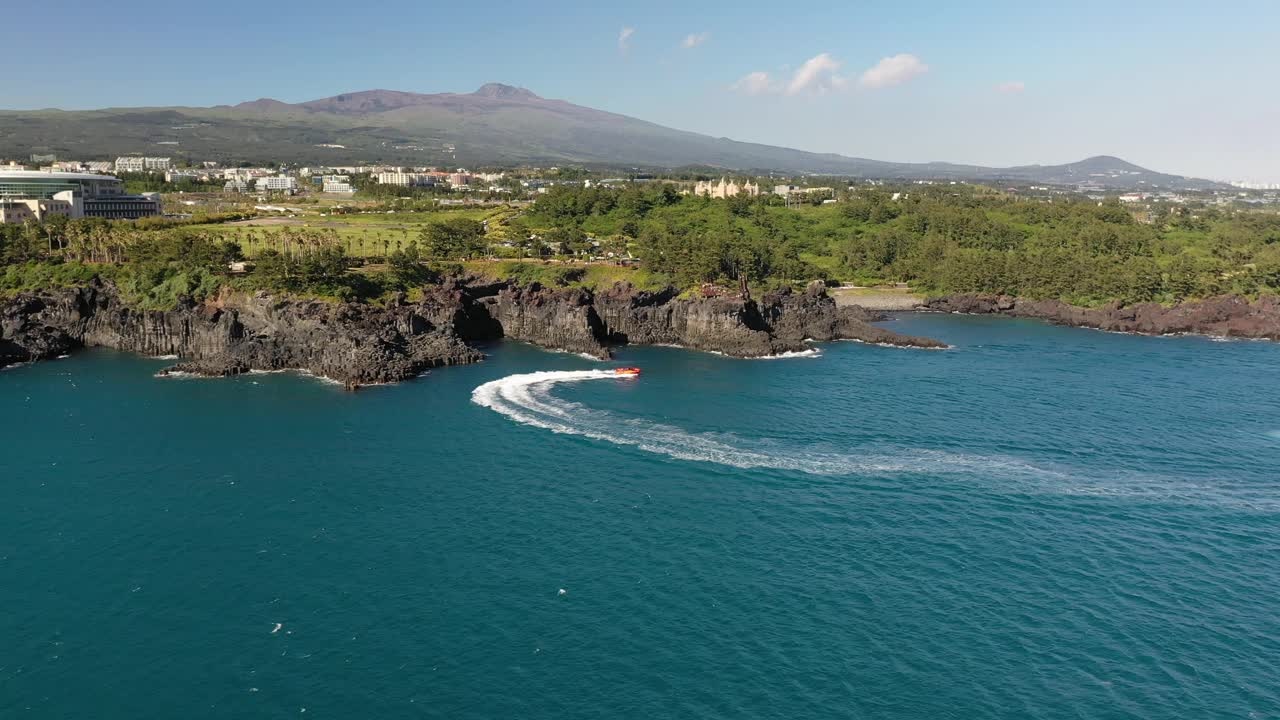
(627,371)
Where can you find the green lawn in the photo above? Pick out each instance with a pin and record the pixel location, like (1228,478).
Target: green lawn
(362,235)
(404,218)
(589,275)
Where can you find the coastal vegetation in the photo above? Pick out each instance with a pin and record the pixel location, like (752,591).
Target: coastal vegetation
(937,238)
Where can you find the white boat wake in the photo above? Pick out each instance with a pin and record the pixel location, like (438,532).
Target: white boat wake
(527,399)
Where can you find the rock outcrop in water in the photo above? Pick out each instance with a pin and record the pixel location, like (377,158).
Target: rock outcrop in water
(1225,316)
(360,344)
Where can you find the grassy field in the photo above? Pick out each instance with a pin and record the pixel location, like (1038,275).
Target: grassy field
(363,235)
(564,274)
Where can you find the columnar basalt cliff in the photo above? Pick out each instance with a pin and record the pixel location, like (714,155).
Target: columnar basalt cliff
(1226,316)
(360,344)
(562,319)
(354,344)
(587,322)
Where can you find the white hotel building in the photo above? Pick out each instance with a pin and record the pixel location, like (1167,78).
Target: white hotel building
(405,178)
(72,195)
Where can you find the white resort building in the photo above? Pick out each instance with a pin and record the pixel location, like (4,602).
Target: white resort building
(726,188)
(35,195)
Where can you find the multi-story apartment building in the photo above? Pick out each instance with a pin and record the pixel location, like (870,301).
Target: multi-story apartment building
(142,164)
(337,184)
(277,183)
(405,178)
(173,176)
(131,164)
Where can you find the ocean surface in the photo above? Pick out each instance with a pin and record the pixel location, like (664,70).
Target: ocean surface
(1041,522)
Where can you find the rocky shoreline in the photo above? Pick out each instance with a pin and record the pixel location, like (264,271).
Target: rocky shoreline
(362,344)
(1228,316)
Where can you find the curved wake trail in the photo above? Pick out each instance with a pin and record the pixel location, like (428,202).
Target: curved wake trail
(527,399)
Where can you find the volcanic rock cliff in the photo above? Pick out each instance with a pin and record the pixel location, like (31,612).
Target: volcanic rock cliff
(351,343)
(582,321)
(1225,316)
(359,344)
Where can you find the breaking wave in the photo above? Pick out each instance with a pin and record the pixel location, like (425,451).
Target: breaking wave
(810,353)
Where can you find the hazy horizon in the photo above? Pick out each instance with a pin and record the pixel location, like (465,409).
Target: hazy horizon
(1174,89)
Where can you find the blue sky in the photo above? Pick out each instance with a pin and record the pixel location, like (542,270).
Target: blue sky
(1176,86)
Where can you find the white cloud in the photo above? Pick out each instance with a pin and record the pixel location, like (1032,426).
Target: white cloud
(892,71)
(756,83)
(1012,87)
(693,40)
(624,39)
(818,75)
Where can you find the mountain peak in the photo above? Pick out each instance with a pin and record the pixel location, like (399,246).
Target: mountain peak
(262,104)
(505,92)
(1109,162)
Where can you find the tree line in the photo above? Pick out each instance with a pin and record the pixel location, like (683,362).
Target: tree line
(943,239)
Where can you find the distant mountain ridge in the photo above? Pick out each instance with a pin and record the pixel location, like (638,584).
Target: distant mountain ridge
(496,125)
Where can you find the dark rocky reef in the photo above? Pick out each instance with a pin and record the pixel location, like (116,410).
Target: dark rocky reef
(1225,316)
(361,344)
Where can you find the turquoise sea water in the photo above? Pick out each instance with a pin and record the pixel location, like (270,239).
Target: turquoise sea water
(1039,523)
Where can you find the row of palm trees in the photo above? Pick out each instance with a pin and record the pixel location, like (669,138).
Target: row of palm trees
(297,242)
(293,243)
(97,242)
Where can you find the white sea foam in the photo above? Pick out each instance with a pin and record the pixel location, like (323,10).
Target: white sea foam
(164,357)
(810,353)
(180,374)
(318,377)
(897,347)
(527,399)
